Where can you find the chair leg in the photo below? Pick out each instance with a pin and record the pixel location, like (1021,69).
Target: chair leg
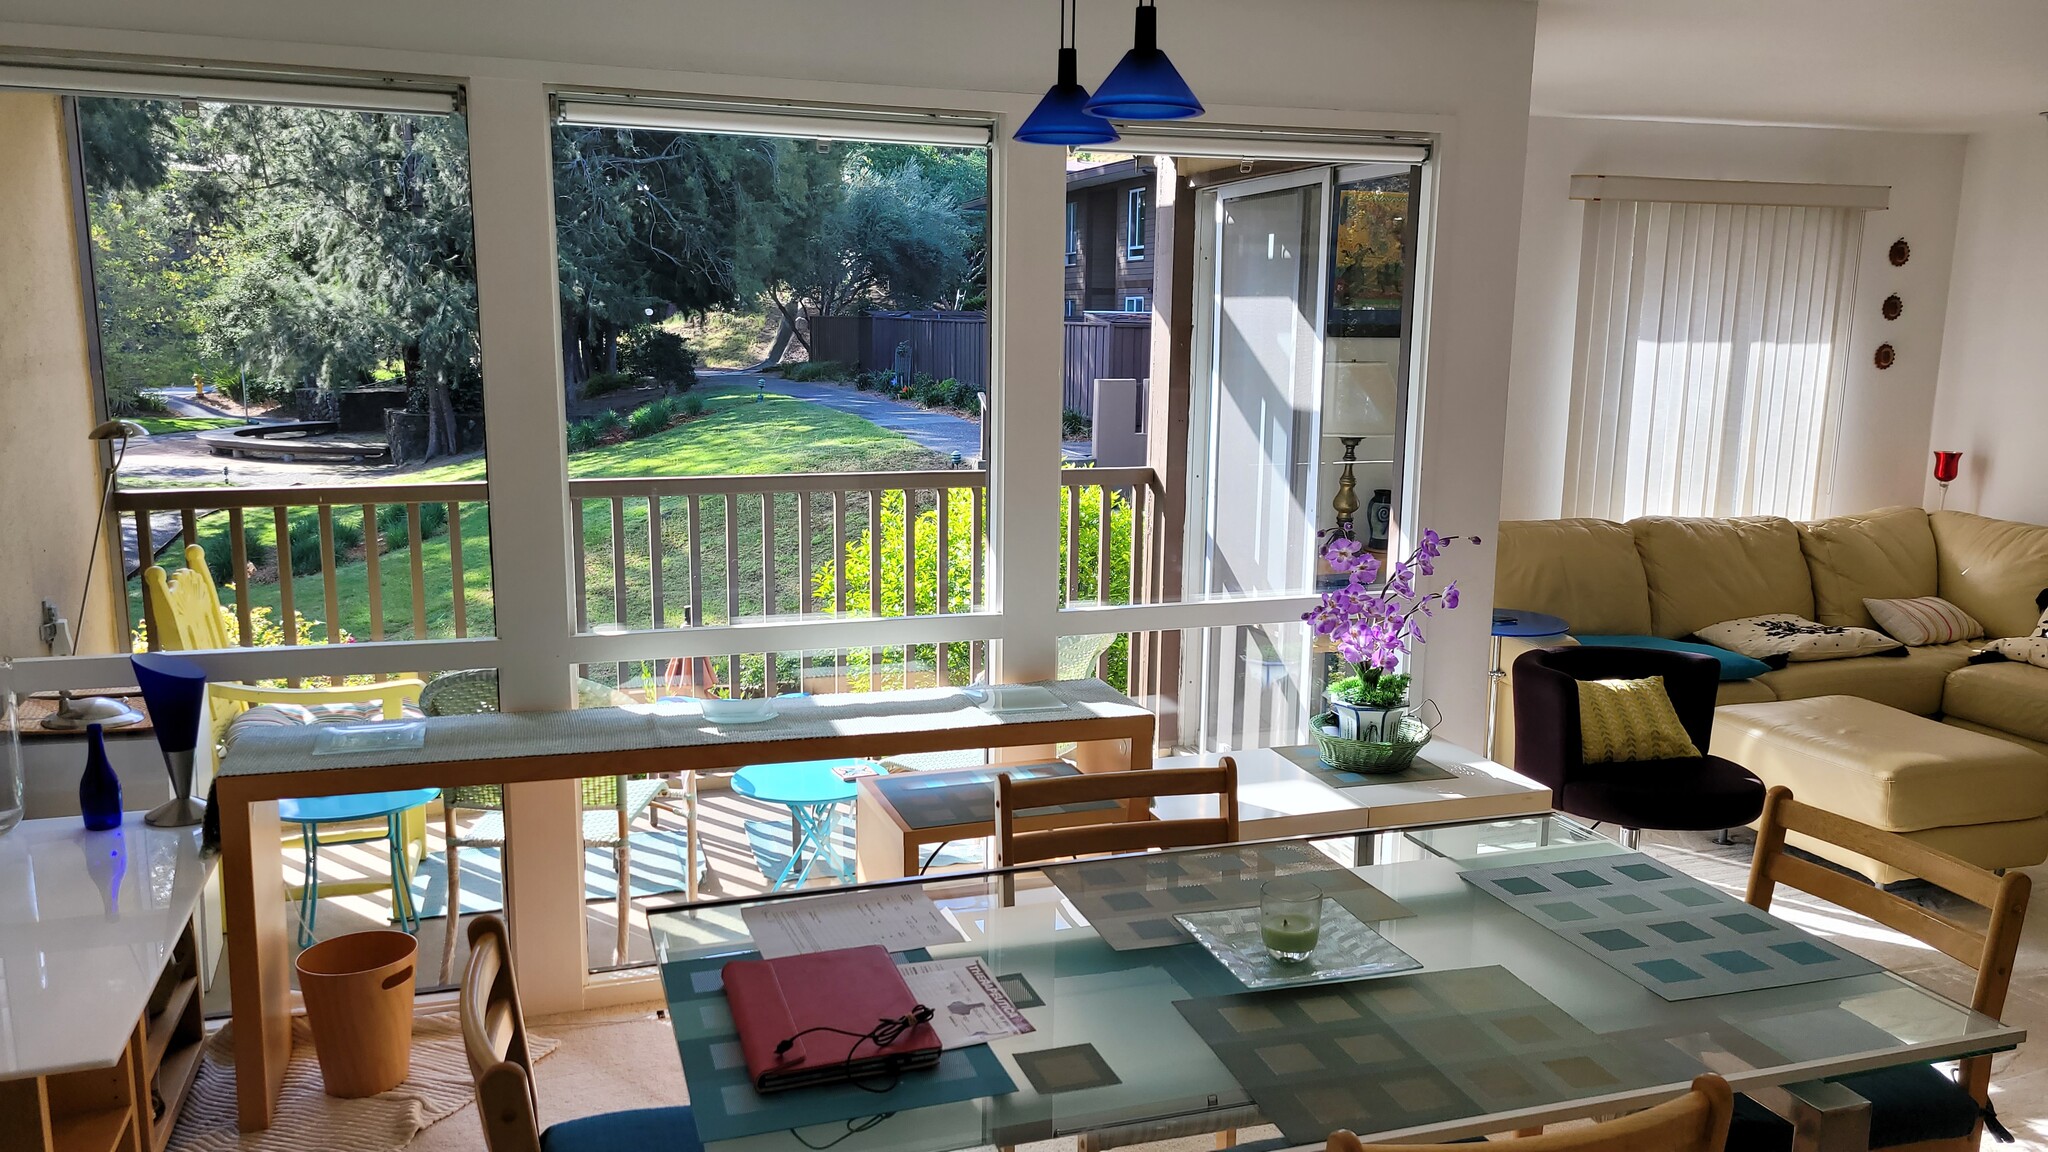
(1226,1138)
(1724,839)
(1630,837)
(452,919)
(622,855)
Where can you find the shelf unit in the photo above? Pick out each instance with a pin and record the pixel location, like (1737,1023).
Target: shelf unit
(131,1105)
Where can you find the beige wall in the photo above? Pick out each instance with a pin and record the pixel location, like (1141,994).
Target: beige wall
(49,479)
(1993,401)
(1887,414)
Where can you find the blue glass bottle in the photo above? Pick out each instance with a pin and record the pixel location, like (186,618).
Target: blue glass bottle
(99,790)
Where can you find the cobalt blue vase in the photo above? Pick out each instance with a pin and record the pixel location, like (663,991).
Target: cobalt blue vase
(99,790)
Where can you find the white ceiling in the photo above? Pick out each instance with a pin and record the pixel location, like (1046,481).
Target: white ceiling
(1920,65)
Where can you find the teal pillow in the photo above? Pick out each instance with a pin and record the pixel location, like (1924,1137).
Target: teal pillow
(1734,665)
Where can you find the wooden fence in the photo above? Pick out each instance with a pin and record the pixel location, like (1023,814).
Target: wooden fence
(1099,346)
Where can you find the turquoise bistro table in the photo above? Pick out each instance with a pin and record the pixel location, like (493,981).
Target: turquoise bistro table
(309,814)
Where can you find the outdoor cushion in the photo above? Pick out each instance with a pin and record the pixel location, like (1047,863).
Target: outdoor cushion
(1907,1105)
(1584,570)
(1882,766)
(2009,697)
(1992,569)
(1911,682)
(666,1129)
(1702,572)
(1734,665)
(292,715)
(1883,555)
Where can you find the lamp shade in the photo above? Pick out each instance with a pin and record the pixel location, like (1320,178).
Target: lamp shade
(175,688)
(1062,116)
(1947,465)
(1145,85)
(1361,399)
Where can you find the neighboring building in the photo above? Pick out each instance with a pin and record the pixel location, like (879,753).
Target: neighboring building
(1109,236)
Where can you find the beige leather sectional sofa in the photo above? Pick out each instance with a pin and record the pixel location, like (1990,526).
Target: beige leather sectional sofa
(1668,577)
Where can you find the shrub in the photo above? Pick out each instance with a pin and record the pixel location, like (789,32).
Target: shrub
(348,535)
(811,370)
(960,394)
(608,422)
(1073,425)
(220,555)
(691,405)
(391,521)
(433,518)
(305,553)
(605,383)
(583,436)
(649,419)
(660,354)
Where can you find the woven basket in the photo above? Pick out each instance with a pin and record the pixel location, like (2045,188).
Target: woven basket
(1370,755)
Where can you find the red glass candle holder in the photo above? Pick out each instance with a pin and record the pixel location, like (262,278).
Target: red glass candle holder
(1947,465)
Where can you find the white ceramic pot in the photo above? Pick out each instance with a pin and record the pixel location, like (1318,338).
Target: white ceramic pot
(1367,722)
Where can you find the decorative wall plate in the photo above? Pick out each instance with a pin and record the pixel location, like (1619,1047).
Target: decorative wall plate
(1893,306)
(1901,251)
(1886,356)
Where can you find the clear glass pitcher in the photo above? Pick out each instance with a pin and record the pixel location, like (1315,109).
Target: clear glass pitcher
(10,764)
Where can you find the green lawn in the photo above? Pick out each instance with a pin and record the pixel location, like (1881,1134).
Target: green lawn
(159,425)
(738,435)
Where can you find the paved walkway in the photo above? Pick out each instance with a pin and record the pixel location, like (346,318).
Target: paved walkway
(942,432)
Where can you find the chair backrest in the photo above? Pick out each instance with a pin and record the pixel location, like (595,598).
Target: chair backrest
(1548,743)
(1695,1122)
(185,605)
(1990,951)
(494,1037)
(1022,838)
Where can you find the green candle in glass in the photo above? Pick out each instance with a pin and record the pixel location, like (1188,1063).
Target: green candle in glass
(1290,919)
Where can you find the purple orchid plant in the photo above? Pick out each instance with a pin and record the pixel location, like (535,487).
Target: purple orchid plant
(1373,628)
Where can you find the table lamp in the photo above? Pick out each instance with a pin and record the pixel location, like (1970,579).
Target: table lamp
(1360,405)
(1947,466)
(73,713)
(175,689)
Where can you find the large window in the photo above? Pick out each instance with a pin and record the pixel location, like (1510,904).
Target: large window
(1709,364)
(1134,225)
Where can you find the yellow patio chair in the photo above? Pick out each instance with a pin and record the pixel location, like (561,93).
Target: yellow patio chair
(187,611)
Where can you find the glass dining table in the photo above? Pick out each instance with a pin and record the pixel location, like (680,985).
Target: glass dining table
(1495,1020)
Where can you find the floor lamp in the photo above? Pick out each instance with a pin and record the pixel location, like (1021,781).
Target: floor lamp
(73,713)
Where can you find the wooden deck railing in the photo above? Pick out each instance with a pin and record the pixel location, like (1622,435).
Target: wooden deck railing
(655,552)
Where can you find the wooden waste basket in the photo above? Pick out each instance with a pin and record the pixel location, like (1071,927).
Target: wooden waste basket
(358,992)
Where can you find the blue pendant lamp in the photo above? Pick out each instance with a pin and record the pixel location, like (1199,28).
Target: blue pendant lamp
(1062,116)
(1145,85)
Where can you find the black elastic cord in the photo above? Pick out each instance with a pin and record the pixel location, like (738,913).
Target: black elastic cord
(922,868)
(885,1032)
(853,1128)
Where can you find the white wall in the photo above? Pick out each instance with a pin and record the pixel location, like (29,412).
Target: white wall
(1992,403)
(1886,421)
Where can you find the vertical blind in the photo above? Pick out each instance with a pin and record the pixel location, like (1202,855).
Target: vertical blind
(1710,357)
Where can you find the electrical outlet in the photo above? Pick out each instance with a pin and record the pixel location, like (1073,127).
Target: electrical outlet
(55,629)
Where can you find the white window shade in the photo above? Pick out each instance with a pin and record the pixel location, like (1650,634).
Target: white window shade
(364,94)
(1250,143)
(802,123)
(1710,357)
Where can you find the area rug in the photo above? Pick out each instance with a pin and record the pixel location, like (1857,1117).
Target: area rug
(438,1086)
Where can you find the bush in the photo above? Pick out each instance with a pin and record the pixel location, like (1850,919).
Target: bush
(305,553)
(391,522)
(659,354)
(962,395)
(583,436)
(813,370)
(608,422)
(220,555)
(1073,425)
(649,419)
(348,535)
(691,405)
(605,383)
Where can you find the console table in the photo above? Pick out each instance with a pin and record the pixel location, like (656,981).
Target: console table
(99,983)
(1110,732)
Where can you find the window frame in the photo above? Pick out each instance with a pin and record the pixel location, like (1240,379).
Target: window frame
(1135,216)
(1073,232)
(1144,303)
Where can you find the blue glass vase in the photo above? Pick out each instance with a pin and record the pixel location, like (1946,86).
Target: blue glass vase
(99,790)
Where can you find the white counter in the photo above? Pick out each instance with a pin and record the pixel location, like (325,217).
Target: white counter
(87,924)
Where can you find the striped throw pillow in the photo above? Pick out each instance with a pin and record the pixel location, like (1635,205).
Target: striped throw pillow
(1623,720)
(1922,620)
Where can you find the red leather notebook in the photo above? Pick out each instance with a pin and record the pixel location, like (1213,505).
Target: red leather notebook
(848,988)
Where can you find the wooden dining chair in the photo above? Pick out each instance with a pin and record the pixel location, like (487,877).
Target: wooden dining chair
(1695,1122)
(501,1063)
(1017,800)
(1916,1106)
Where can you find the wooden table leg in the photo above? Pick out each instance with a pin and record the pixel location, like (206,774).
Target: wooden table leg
(259,953)
(881,847)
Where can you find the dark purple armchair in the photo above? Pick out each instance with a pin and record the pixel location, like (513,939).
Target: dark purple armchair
(1699,793)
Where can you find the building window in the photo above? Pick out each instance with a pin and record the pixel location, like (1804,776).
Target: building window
(1073,308)
(1073,233)
(1134,226)
(1134,303)
(1706,377)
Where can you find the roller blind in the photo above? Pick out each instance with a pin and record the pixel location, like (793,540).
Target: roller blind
(1245,142)
(802,122)
(230,86)
(1709,358)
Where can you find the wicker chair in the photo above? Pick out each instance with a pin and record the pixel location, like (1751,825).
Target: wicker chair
(610,803)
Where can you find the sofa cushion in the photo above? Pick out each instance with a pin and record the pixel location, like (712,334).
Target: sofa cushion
(1702,572)
(1911,683)
(1584,570)
(1734,665)
(1922,620)
(2010,697)
(1992,569)
(1781,637)
(1743,692)
(1883,555)
(1885,767)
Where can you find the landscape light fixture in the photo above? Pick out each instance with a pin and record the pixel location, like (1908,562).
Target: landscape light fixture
(1062,116)
(1145,85)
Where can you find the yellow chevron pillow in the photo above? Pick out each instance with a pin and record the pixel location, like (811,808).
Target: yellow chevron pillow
(1622,720)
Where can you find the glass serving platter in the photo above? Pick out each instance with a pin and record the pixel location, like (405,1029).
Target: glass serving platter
(1348,949)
